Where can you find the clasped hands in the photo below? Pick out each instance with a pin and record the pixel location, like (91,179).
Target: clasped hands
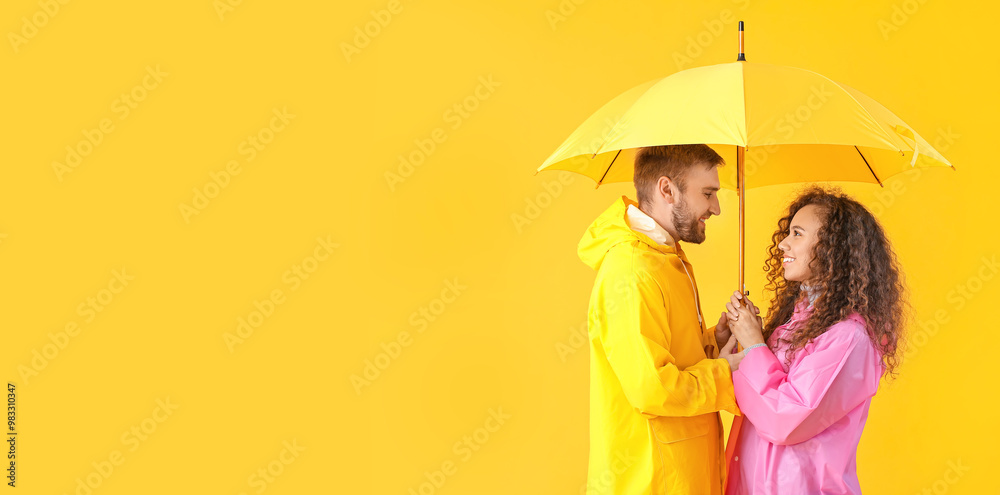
(741,323)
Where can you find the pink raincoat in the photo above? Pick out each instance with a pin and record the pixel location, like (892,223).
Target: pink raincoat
(802,422)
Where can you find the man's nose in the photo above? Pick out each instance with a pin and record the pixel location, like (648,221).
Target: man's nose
(715,208)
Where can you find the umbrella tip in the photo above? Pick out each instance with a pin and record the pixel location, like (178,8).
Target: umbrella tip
(741,57)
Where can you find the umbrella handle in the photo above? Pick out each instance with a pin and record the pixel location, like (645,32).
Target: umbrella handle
(741,192)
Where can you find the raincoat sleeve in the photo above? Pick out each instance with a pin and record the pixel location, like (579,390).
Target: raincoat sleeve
(836,374)
(636,340)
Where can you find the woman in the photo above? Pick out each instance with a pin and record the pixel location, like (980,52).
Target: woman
(808,375)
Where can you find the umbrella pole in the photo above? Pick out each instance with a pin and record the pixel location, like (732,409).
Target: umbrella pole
(734,430)
(741,192)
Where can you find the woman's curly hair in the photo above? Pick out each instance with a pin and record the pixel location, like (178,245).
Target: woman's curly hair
(855,268)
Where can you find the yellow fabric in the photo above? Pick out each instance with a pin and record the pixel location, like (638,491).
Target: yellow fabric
(656,385)
(796,126)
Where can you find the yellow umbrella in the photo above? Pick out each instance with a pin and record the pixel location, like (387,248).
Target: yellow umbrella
(783,124)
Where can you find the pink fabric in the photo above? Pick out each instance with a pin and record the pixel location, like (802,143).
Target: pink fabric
(802,423)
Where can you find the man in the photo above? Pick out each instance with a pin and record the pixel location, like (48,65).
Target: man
(656,379)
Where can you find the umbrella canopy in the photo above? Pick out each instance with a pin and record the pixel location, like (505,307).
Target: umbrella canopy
(794,124)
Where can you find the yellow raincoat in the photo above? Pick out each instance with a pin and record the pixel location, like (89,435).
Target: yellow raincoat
(656,383)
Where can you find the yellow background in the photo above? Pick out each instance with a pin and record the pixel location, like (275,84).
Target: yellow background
(498,343)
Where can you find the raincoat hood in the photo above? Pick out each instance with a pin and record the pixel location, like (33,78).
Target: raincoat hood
(612,228)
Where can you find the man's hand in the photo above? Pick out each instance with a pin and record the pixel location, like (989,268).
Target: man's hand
(722,332)
(727,354)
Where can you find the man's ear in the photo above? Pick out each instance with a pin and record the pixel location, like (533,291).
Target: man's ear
(667,189)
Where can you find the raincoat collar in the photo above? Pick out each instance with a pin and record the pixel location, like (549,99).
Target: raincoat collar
(811,293)
(803,309)
(612,228)
(640,222)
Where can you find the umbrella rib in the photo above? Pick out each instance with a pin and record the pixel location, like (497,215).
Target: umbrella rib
(867,112)
(609,168)
(869,167)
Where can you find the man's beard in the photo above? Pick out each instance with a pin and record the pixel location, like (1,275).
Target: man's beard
(687,224)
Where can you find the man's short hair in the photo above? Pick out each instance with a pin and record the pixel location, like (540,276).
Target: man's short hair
(673,161)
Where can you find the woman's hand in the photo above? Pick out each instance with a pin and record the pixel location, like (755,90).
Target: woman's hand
(743,320)
(727,354)
(747,328)
(737,300)
(722,332)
